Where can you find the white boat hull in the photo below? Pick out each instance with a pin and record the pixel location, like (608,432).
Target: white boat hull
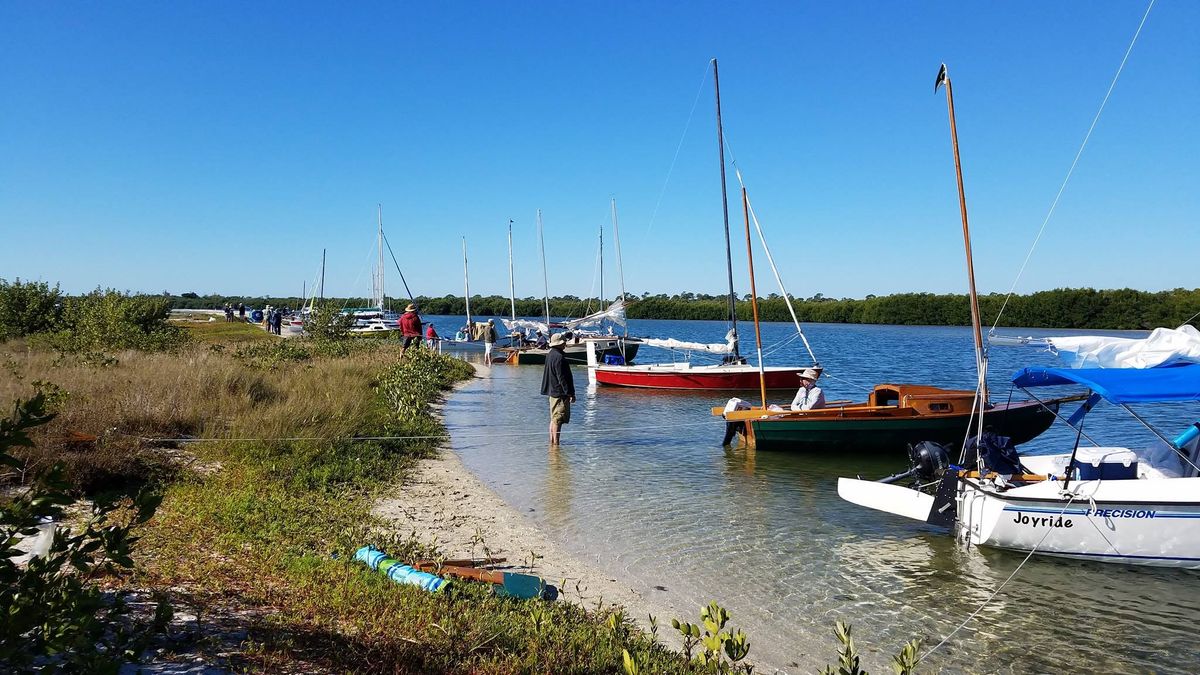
(1144,522)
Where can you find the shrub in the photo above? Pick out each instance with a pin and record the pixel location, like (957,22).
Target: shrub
(55,617)
(27,308)
(110,320)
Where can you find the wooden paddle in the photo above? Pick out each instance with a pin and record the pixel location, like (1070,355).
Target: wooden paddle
(513,584)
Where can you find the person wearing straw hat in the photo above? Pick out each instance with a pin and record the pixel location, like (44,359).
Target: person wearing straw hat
(810,396)
(558,384)
(410,327)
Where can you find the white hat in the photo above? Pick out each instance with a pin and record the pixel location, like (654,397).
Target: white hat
(558,340)
(810,374)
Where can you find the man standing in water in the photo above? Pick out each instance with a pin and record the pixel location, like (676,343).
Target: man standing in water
(559,385)
(489,340)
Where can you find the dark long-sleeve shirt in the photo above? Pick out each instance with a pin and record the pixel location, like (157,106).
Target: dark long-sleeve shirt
(557,379)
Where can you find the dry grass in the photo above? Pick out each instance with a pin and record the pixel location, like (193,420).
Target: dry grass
(111,418)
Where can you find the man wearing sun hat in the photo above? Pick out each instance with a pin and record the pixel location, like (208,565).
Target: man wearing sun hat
(558,384)
(810,396)
(410,327)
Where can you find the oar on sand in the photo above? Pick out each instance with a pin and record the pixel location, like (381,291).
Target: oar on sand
(512,584)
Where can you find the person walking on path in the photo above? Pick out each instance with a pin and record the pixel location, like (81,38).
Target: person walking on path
(489,340)
(410,328)
(559,385)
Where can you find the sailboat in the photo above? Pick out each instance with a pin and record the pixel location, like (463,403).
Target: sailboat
(377,318)
(1112,504)
(581,341)
(733,372)
(893,417)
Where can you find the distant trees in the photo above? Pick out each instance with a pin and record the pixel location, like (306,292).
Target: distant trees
(1059,308)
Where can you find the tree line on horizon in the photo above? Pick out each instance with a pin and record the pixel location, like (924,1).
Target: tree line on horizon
(1084,308)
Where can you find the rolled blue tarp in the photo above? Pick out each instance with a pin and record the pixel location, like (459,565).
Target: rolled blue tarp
(399,572)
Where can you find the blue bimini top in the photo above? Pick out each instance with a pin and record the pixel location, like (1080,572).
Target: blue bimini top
(1121,385)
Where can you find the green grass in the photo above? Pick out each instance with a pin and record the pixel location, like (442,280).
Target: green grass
(226,332)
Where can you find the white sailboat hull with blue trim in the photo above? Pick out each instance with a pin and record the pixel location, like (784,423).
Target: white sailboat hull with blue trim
(1139,521)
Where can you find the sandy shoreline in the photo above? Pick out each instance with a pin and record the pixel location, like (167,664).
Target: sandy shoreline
(444,502)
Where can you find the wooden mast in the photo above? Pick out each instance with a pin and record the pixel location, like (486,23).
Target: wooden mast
(943,78)
(725,212)
(762,376)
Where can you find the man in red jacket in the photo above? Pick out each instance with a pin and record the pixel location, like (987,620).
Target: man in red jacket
(410,327)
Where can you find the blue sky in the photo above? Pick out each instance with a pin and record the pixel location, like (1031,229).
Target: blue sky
(218,147)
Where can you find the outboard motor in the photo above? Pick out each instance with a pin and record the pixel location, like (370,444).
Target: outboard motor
(928,461)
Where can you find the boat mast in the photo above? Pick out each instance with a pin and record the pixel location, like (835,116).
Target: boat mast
(620,268)
(762,375)
(512,292)
(322,274)
(379,274)
(725,211)
(545,279)
(601,306)
(466,282)
(980,354)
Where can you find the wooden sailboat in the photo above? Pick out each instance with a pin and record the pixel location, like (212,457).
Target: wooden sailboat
(895,415)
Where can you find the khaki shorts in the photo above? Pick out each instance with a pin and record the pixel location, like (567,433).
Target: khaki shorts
(560,409)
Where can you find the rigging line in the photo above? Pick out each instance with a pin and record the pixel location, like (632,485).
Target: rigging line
(1070,171)
(416,438)
(358,276)
(671,169)
(1191,319)
(397,264)
(998,588)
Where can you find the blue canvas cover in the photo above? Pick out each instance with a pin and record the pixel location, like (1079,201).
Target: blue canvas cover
(1121,385)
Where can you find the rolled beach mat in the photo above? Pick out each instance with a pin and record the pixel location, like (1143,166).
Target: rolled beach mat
(399,572)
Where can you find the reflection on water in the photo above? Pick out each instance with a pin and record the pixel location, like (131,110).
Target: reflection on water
(641,489)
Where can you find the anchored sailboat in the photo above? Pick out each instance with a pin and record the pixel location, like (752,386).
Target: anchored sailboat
(733,372)
(1112,504)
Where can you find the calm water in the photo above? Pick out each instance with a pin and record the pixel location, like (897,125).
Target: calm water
(642,489)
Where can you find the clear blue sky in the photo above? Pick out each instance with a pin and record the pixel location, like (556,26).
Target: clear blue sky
(217,147)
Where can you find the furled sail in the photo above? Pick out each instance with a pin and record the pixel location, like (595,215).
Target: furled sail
(1163,347)
(712,348)
(614,313)
(525,324)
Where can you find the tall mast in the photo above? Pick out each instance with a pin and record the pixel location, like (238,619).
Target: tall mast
(620,268)
(512,291)
(379,280)
(466,282)
(602,268)
(545,279)
(617,238)
(322,274)
(762,376)
(725,210)
(980,355)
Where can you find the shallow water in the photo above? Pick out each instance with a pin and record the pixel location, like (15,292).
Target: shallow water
(642,489)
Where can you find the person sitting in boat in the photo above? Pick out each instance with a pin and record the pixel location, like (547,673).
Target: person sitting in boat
(540,341)
(810,396)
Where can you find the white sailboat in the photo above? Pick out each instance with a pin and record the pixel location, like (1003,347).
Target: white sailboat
(1136,505)
(377,318)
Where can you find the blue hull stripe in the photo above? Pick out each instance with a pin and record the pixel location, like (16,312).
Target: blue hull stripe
(1121,555)
(1085,512)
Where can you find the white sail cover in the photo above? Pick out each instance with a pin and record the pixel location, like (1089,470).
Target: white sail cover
(1164,346)
(524,324)
(614,313)
(711,348)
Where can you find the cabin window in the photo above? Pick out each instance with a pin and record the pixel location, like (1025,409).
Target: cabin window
(887,397)
(939,407)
